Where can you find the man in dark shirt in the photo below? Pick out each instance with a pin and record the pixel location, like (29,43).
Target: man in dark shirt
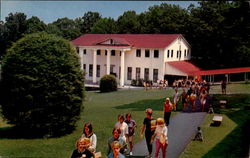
(149,125)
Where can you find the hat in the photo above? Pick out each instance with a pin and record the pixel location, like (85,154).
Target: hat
(149,111)
(168,99)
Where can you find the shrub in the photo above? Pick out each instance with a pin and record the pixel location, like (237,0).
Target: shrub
(42,85)
(108,83)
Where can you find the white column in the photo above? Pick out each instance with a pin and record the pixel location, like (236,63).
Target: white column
(94,66)
(122,68)
(81,57)
(108,62)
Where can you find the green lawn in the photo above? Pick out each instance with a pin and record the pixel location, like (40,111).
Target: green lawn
(102,109)
(231,139)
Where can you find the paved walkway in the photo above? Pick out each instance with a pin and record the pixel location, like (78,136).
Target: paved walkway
(182,129)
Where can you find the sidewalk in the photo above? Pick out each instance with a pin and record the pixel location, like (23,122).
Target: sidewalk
(181,130)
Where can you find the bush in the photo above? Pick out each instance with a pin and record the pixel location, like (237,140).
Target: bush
(108,83)
(42,85)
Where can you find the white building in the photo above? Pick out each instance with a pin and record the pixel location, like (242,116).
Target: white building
(132,56)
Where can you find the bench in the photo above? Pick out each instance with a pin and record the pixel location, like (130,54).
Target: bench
(217,120)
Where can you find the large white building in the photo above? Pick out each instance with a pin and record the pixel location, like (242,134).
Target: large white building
(134,56)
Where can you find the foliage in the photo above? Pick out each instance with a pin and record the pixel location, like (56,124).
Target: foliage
(34,24)
(68,28)
(42,85)
(108,83)
(129,22)
(87,21)
(215,29)
(104,25)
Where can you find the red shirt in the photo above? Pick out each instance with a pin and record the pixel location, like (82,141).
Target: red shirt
(167,107)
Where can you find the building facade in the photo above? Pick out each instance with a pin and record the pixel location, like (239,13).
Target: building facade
(131,56)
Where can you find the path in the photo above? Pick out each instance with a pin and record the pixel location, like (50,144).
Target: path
(181,130)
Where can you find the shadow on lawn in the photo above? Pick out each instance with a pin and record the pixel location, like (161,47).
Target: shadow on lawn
(236,144)
(27,133)
(156,105)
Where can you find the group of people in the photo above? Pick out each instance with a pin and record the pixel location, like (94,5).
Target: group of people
(122,135)
(193,98)
(121,141)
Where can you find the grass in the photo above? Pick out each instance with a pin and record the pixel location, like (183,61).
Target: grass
(231,139)
(101,109)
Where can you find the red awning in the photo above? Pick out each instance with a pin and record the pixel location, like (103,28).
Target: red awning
(185,66)
(224,71)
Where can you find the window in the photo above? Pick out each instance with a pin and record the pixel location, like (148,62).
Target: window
(129,74)
(180,53)
(84,51)
(185,53)
(155,75)
(138,73)
(156,53)
(147,53)
(113,52)
(138,53)
(172,53)
(177,54)
(168,53)
(77,50)
(84,67)
(106,52)
(90,70)
(98,68)
(98,52)
(146,74)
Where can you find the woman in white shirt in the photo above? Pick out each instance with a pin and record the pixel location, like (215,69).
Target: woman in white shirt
(88,133)
(161,137)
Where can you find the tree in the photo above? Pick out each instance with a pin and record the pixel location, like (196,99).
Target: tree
(13,29)
(42,85)
(215,33)
(129,23)
(88,21)
(165,18)
(34,24)
(105,25)
(68,28)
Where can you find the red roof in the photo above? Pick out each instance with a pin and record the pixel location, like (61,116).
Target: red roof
(185,66)
(224,71)
(133,40)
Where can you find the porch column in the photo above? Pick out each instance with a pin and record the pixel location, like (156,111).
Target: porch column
(81,57)
(122,68)
(108,62)
(94,66)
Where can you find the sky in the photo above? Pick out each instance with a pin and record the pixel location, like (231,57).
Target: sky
(49,11)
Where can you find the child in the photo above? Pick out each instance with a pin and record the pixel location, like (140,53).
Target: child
(116,151)
(82,145)
(161,142)
(198,135)
(131,130)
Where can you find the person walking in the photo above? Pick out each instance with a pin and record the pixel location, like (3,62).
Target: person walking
(175,98)
(149,125)
(167,111)
(131,131)
(88,133)
(161,141)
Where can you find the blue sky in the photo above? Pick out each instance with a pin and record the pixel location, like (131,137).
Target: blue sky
(49,11)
